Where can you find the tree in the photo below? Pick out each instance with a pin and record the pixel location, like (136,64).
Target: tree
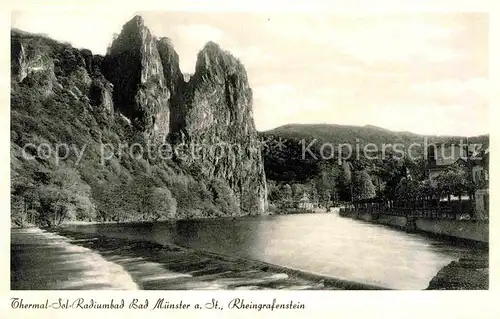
(137,201)
(274,191)
(297,191)
(64,197)
(453,181)
(17,210)
(363,187)
(286,201)
(416,168)
(287,192)
(346,169)
(25,203)
(325,198)
(160,203)
(324,188)
(313,192)
(390,171)
(109,197)
(408,190)
(346,181)
(325,185)
(224,198)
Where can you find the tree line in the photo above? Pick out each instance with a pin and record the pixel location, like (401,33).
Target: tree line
(388,180)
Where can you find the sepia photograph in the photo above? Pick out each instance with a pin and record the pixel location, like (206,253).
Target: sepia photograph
(184,150)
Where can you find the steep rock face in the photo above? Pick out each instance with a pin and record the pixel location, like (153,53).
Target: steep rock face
(140,80)
(31,64)
(101,94)
(174,81)
(50,67)
(212,111)
(133,65)
(170,64)
(218,120)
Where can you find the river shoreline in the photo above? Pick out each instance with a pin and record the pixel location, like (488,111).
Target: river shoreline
(465,274)
(471,231)
(172,220)
(468,273)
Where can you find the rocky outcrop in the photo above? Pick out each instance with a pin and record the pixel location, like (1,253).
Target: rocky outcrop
(218,118)
(212,112)
(140,80)
(31,65)
(19,64)
(47,65)
(133,65)
(170,64)
(174,81)
(101,94)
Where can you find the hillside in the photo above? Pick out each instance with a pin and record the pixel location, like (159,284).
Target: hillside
(110,137)
(338,134)
(300,157)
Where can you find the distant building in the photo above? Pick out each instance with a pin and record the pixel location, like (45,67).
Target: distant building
(305,202)
(441,156)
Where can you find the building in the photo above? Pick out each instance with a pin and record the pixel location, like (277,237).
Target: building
(476,164)
(305,202)
(441,156)
(480,176)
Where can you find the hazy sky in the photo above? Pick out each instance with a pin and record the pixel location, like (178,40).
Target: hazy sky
(425,73)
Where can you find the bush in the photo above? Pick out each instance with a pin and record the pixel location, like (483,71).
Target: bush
(224,198)
(160,203)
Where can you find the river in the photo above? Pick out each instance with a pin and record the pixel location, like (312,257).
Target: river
(321,243)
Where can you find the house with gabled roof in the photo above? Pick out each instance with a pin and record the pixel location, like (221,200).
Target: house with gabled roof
(473,159)
(442,156)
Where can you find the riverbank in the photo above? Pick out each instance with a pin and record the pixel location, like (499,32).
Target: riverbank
(473,231)
(470,272)
(172,220)
(165,267)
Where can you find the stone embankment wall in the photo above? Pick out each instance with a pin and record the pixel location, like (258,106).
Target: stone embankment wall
(463,229)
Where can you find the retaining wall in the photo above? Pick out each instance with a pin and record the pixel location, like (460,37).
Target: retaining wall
(463,229)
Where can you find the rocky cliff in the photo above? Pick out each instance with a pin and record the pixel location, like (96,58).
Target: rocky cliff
(51,67)
(139,81)
(218,113)
(134,66)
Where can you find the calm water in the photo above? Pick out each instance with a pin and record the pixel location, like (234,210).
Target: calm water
(324,244)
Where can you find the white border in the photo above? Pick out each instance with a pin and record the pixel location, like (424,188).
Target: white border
(401,304)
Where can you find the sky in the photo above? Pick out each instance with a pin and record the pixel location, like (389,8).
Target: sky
(420,72)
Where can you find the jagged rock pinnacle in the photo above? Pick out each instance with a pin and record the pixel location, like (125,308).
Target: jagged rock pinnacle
(138,20)
(140,79)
